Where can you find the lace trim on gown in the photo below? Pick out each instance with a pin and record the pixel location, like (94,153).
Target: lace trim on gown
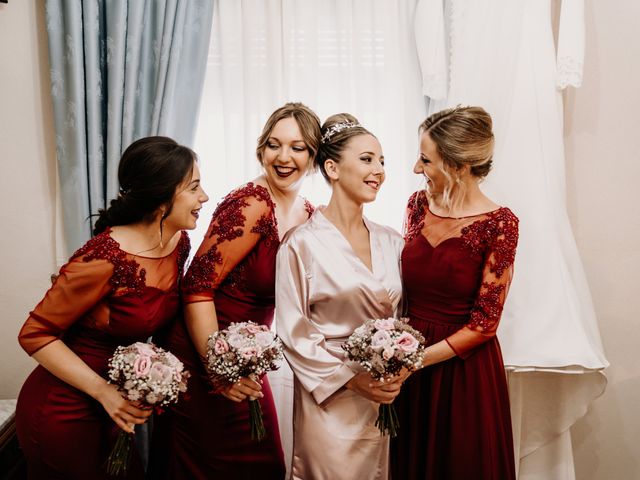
(494,236)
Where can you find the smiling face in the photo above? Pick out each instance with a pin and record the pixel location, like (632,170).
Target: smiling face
(431,166)
(360,171)
(187,202)
(285,157)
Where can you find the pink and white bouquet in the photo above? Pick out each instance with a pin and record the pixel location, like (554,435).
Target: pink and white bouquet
(151,377)
(244,349)
(383,347)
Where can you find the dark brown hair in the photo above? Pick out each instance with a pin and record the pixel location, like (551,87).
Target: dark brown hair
(149,172)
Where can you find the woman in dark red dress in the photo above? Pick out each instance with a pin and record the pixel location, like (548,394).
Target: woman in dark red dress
(457,265)
(119,288)
(232,279)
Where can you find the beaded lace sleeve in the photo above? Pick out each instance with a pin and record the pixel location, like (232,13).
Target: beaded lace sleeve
(499,236)
(91,274)
(414,215)
(240,221)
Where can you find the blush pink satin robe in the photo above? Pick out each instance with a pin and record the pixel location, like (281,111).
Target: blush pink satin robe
(323,293)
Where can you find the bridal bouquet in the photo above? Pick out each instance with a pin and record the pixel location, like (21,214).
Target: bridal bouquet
(383,348)
(244,349)
(150,376)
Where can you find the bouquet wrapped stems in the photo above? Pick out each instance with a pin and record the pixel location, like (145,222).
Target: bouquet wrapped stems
(120,455)
(256,422)
(387,421)
(256,419)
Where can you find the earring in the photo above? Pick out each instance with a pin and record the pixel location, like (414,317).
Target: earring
(164,215)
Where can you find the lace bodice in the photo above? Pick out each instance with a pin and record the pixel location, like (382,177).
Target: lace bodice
(469,267)
(106,289)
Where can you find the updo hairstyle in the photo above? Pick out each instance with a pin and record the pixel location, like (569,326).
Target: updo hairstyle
(149,172)
(463,137)
(336,131)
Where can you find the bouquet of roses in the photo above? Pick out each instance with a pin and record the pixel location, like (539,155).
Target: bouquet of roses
(383,348)
(244,349)
(150,376)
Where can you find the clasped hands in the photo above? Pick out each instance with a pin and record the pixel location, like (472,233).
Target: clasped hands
(243,389)
(380,391)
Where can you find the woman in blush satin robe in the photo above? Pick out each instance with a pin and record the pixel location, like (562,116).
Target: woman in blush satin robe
(333,273)
(232,279)
(457,266)
(119,288)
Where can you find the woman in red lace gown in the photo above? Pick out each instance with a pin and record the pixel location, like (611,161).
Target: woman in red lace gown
(119,288)
(232,279)
(457,265)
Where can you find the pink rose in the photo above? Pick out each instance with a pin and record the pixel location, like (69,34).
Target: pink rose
(407,342)
(253,328)
(249,352)
(220,346)
(236,340)
(381,339)
(386,324)
(388,353)
(145,349)
(173,362)
(160,373)
(141,365)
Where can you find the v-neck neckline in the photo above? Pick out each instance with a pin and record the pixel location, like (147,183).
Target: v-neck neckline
(350,248)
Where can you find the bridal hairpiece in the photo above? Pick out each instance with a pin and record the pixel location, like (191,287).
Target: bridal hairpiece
(336,128)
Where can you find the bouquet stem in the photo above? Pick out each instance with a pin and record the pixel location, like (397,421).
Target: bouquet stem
(258,431)
(387,421)
(120,455)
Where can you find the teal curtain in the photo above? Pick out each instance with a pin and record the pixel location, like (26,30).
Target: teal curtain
(120,70)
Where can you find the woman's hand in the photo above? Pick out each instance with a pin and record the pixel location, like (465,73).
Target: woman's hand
(243,389)
(379,391)
(126,414)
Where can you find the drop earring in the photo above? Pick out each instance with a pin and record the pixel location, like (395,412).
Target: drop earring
(164,215)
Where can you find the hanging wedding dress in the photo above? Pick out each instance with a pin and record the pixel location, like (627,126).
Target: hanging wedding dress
(500,54)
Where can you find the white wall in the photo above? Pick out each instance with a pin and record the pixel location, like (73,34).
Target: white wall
(602,134)
(27,174)
(603,165)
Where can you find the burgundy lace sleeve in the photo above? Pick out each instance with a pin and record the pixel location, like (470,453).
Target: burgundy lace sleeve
(502,230)
(92,273)
(414,215)
(239,222)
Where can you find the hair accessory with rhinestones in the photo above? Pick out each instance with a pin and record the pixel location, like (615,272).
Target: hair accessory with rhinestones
(336,128)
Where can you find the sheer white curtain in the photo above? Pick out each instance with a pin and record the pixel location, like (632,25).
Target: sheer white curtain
(335,56)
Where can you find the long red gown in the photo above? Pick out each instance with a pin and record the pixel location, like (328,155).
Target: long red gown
(207,436)
(455,421)
(104,297)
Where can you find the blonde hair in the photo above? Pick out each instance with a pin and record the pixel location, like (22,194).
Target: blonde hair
(463,137)
(308,123)
(337,130)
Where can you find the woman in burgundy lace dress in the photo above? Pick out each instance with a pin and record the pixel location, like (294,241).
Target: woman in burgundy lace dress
(232,279)
(457,265)
(119,288)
